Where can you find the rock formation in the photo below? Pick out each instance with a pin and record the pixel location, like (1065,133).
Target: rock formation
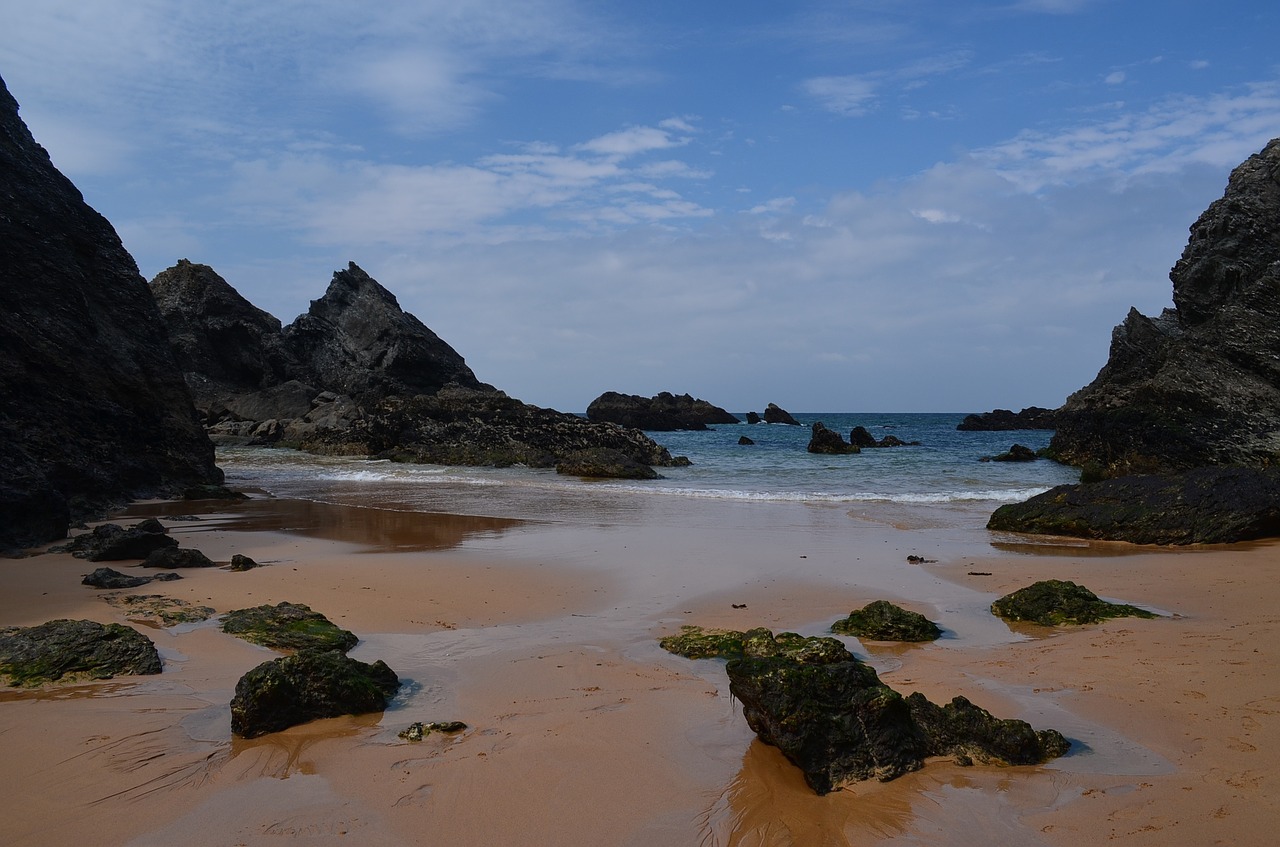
(51,651)
(1200,384)
(829,442)
(999,420)
(95,409)
(664,412)
(881,620)
(775,414)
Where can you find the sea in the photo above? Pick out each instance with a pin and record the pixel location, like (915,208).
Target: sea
(942,478)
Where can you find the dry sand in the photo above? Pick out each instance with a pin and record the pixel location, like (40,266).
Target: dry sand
(542,638)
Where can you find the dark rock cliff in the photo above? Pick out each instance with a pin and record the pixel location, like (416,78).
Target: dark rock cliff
(1200,384)
(95,410)
(664,412)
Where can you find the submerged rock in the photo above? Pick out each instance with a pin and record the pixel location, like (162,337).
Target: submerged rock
(664,412)
(744,441)
(31,656)
(1211,505)
(306,686)
(1053,602)
(110,542)
(883,621)
(288,626)
(829,442)
(604,463)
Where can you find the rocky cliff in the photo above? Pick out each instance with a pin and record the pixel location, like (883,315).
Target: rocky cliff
(1200,384)
(94,407)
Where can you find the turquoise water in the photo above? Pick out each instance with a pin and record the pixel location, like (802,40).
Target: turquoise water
(943,473)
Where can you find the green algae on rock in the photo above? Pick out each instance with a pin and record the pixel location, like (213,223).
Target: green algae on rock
(419,730)
(1052,602)
(287,626)
(31,656)
(694,642)
(159,610)
(883,621)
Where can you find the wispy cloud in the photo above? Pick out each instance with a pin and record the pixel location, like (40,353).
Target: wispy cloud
(851,96)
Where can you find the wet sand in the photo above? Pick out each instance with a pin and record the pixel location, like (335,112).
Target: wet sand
(541,636)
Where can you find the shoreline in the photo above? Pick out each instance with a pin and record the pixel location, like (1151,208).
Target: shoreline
(542,636)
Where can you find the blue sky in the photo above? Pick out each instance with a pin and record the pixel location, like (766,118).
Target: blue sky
(912,206)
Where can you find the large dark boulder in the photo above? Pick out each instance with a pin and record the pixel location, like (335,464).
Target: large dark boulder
(95,410)
(307,686)
(881,620)
(1211,505)
(1200,384)
(178,557)
(1053,602)
(288,626)
(664,412)
(828,441)
(999,420)
(604,463)
(778,415)
(110,542)
(356,340)
(76,649)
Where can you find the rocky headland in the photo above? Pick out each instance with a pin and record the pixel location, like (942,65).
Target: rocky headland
(95,409)
(664,412)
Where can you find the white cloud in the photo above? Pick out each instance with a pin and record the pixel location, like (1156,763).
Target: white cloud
(851,96)
(1114,78)
(632,141)
(774,206)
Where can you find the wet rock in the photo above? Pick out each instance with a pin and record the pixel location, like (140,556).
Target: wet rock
(418,730)
(971,734)
(109,578)
(1017,453)
(883,621)
(288,626)
(664,412)
(31,656)
(240,562)
(775,414)
(694,642)
(829,442)
(210,492)
(110,542)
(604,463)
(158,610)
(178,557)
(1054,602)
(1211,505)
(307,686)
(744,441)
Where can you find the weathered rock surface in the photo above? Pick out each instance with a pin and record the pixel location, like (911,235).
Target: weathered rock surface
(832,717)
(159,610)
(778,415)
(830,442)
(112,543)
(35,655)
(998,420)
(1200,384)
(664,412)
(1053,602)
(1211,505)
(603,462)
(306,686)
(288,626)
(95,410)
(111,578)
(881,620)
(177,557)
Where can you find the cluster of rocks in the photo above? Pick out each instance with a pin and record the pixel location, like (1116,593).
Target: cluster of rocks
(664,412)
(830,442)
(773,414)
(1001,420)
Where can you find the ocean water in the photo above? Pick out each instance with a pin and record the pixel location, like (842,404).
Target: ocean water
(942,476)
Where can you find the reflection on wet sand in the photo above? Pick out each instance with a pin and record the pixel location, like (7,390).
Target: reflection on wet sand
(377,530)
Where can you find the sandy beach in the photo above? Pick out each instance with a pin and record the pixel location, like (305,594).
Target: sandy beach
(541,636)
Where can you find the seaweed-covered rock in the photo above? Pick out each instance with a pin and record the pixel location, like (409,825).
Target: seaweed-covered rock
(418,730)
(159,610)
(883,621)
(35,655)
(306,686)
(1211,505)
(178,557)
(1053,601)
(240,562)
(111,542)
(694,642)
(288,626)
(829,442)
(604,463)
(832,717)
(110,578)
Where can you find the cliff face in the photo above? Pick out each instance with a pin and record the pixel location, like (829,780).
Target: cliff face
(1200,384)
(94,407)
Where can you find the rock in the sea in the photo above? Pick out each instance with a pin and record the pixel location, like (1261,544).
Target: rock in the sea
(833,718)
(1200,384)
(177,557)
(664,412)
(112,543)
(753,418)
(828,441)
(883,621)
(744,441)
(288,626)
(110,578)
(1016,453)
(35,655)
(1053,602)
(307,686)
(999,420)
(861,437)
(604,463)
(1212,505)
(95,408)
(778,415)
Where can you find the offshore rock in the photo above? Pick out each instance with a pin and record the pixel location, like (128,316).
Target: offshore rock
(288,626)
(95,409)
(1200,384)
(603,463)
(110,542)
(1053,602)
(883,621)
(1016,453)
(832,717)
(1211,505)
(664,412)
(753,418)
(775,414)
(829,442)
(999,420)
(306,686)
(35,655)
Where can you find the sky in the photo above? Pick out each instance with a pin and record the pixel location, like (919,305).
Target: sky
(833,206)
